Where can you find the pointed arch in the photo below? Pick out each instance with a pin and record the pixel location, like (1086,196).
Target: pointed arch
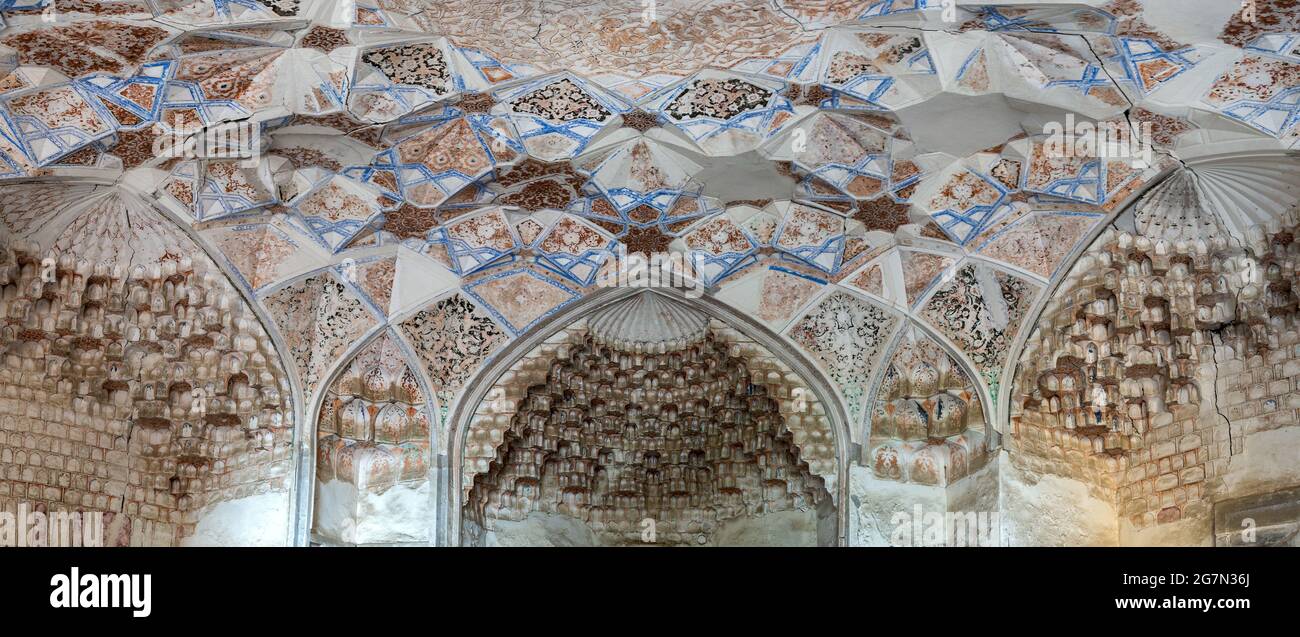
(483,382)
(124,201)
(373,430)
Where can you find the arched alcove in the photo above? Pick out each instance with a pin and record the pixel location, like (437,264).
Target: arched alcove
(165,402)
(791,421)
(1148,390)
(374,445)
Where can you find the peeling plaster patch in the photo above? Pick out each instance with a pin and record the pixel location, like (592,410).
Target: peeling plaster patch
(1048,510)
(257,520)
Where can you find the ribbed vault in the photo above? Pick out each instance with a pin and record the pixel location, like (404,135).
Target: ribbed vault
(870,185)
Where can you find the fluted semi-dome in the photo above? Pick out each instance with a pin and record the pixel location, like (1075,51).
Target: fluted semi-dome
(648,323)
(1233,197)
(1174,210)
(1249,191)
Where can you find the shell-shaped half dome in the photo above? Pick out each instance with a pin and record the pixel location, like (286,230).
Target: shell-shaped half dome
(648,323)
(1172,210)
(1234,197)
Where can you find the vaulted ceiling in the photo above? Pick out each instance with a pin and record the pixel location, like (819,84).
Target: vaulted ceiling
(863,178)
